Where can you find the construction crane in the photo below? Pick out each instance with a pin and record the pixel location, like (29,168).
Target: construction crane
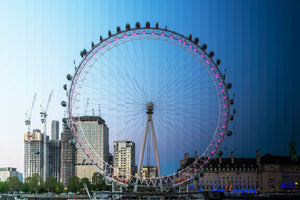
(28,124)
(28,116)
(44,115)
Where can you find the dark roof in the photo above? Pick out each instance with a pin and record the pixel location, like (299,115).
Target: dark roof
(189,161)
(246,162)
(226,163)
(282,160)
(239,163)
(90,118)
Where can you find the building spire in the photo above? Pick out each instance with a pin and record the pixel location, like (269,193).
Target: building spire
(293,152)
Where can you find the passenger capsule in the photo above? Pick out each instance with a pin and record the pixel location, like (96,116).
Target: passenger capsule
(69,77)
(229,85)
(218,62)
(231,101)
(211,54)
(229,133)
(231,117)
(190,37)
(63,104)
(234,111)
(156,25)
(65,120)
(109,33)
(65,87)
(71,142)
(138,25)
(127,27)
(118,29)
(83,53)
(196,41)
(204,46)
(101,39)
(220,153)
(147,24)
(92,45)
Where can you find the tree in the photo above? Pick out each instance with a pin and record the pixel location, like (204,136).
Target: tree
(50,184)
(84,181)
(41,188)
(98,182)
(96,178)
(25,187)
(59,187)
(73,184)
(14,184)
(34,182)
(4,187)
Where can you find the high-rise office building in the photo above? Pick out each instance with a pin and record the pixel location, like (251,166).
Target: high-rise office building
(55,130)
(110,159)
(67,155)
(33,153)
(124,158)
(97,133)
(54,158)
(54,152)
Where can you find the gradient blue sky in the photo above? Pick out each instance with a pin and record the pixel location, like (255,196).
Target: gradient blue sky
(257,42)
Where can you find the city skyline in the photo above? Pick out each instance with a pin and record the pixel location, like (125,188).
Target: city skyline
(39,49)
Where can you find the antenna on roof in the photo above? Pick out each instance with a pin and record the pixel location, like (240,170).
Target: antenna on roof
(99,110)
(86,106)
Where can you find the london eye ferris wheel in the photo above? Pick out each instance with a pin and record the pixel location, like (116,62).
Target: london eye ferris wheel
(157,88)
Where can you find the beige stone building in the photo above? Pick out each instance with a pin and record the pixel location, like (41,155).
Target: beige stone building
(97,133)
(249,175)
(279,173)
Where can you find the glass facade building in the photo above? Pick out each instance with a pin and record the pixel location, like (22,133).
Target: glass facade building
(67,155)
(124,158)
(55,130)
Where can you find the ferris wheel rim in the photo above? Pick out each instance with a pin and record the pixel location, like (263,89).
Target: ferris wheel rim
(163,33)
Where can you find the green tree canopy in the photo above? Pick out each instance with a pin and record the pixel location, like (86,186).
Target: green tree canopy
(73,184)
(50,184)
(4,187)
(87,182)
(98,182)
(25,187)
(34,182)
(59,187)
(14,184)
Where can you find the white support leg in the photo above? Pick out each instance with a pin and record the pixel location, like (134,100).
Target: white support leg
(142,153)
(155,146)
(149,120)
